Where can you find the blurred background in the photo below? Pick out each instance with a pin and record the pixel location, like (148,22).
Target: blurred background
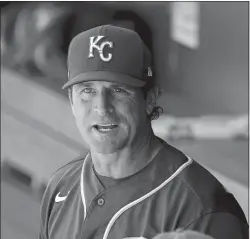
(200,52)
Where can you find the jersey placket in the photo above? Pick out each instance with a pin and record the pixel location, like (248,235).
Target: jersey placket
(104,203)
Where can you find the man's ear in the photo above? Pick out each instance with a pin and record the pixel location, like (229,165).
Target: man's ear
(152,97)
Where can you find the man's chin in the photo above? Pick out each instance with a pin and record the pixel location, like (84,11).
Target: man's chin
(107,146)
(104,149)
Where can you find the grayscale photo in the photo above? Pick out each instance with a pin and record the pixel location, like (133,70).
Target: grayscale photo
(124,120)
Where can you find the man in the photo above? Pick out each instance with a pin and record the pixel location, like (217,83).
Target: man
(131,183)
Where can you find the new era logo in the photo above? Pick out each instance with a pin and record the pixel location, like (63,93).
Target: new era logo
(150,73)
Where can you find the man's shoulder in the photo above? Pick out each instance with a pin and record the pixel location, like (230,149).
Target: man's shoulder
(197,184)
(193,175)
(71,170)
(72,165)
(197,176)
(209,191)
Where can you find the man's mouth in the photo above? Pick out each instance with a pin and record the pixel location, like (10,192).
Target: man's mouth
(104,128)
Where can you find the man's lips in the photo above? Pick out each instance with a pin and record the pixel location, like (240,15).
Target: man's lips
(104,127)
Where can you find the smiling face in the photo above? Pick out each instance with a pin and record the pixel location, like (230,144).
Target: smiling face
(109,116)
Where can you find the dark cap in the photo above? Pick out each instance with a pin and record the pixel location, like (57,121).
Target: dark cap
(109,53)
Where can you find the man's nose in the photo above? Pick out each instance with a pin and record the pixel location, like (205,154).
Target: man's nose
(103,104)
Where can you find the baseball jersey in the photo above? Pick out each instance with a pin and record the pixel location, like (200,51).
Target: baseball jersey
(171,192)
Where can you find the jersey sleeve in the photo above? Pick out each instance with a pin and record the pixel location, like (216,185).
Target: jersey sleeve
(45,209)
(220,225)
(70,170)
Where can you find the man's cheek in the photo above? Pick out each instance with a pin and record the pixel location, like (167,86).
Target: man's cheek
(133,122)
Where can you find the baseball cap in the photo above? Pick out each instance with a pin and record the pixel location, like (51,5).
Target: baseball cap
(109,53)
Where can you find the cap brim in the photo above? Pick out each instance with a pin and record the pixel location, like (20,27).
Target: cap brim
(105,76)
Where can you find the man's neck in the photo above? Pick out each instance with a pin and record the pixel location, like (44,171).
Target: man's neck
(128,161)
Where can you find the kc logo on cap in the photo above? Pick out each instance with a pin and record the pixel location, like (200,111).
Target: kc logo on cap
(93,41)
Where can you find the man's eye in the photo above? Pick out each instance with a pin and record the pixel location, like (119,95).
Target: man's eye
(119,90)
(88,90)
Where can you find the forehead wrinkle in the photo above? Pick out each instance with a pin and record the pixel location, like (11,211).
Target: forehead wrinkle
(106,85)
(115,84)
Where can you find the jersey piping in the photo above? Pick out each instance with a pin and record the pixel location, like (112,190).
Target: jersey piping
(82,189)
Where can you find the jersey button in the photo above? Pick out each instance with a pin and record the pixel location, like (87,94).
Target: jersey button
(100,201)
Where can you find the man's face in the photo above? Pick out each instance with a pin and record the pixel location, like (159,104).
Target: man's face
(109,116)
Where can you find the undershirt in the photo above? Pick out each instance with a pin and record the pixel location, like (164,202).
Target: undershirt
(107,182)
